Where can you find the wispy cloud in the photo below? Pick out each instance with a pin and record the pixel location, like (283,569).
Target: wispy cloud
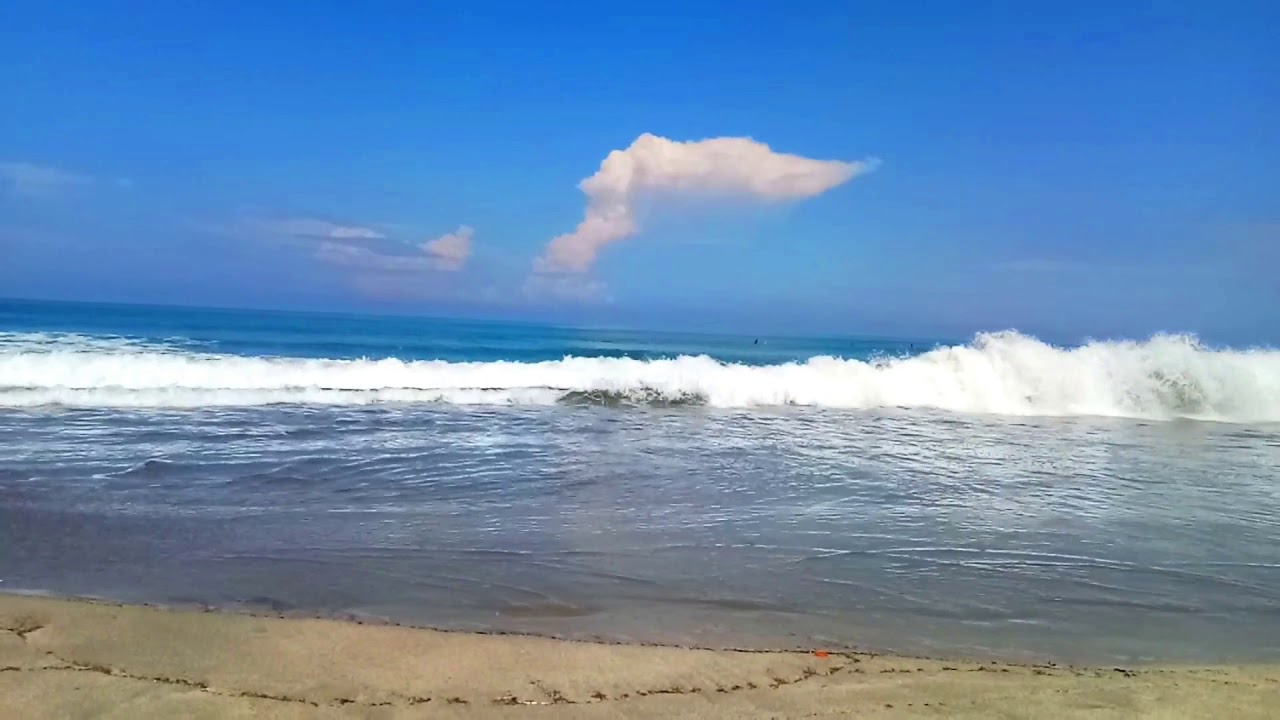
(447,253)
(395,271)
(451,250)
(358,257)
(314,229)
(39,181)
(726,166)
(362,248)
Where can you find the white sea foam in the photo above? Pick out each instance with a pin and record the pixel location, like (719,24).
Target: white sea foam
(1165,377)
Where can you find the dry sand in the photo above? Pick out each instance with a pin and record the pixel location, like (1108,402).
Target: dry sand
(75,659)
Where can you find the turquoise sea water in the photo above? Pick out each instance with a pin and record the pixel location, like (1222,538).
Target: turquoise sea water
(306,335)
(1114,501)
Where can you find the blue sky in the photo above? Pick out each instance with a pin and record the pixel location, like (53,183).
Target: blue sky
(1068,169)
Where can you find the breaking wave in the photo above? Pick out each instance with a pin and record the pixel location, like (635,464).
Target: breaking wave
(1006,373)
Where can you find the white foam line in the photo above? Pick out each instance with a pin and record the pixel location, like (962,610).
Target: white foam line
(1164,377)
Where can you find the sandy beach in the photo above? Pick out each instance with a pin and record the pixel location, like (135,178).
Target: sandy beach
(79,659)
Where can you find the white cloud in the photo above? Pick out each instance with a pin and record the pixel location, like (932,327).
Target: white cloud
(727,166)
(315,229)
(362,258)
(451,250)
(447,253)
(35,181)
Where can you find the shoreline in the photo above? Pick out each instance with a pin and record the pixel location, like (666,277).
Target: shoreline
(63,657)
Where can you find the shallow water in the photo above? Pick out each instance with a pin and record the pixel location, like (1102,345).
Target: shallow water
(922,530)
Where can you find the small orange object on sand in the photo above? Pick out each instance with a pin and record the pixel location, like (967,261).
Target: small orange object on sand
(821,653)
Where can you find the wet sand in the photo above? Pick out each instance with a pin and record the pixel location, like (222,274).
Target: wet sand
(78,659)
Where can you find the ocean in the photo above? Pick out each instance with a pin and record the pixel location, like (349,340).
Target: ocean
(996,496)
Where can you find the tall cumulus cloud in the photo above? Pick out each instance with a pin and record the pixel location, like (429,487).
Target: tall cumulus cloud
(717,167)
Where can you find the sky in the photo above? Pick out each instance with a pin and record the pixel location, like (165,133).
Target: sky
(911,169)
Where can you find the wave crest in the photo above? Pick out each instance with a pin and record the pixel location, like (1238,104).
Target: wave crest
(1007,373)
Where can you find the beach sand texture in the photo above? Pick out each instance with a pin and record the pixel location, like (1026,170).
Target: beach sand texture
(77,659)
